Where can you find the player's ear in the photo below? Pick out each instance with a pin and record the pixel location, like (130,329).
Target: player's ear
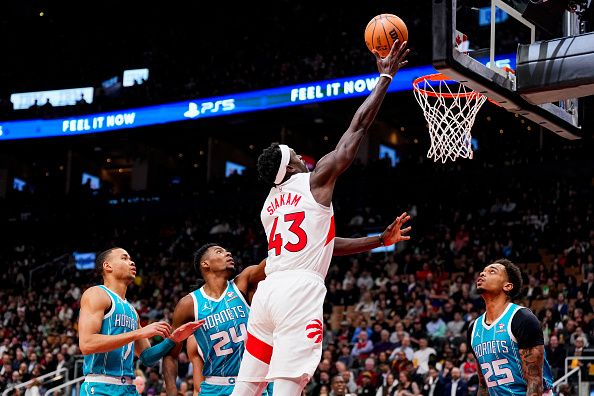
(508,287)
(107,267)
(204,265)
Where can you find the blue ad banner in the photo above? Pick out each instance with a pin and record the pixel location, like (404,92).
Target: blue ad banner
(266,99)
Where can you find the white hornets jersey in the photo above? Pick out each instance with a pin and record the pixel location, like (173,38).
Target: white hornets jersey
(300,231)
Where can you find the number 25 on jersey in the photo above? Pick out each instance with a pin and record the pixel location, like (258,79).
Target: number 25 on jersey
(276,240)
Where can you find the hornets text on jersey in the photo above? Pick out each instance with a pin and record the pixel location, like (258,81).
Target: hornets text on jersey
(121,318)
(221,339)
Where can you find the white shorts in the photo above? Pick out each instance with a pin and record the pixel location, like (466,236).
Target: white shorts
(285,327)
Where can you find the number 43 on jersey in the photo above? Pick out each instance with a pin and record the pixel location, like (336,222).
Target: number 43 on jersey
(276,240)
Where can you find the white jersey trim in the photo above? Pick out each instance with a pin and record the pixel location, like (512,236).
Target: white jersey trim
(212,299)
(489,327)
(195,301)
(509,326)
(113,303)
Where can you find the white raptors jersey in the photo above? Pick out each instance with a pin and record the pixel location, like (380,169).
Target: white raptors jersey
(300,231)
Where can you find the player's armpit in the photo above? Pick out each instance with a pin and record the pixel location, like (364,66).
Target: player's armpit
(532,366)
(249,278)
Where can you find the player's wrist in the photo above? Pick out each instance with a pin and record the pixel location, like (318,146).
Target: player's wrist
(389,76)
(380,238)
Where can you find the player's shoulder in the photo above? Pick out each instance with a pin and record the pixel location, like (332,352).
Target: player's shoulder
(95,296)
(94,291)
(522,313)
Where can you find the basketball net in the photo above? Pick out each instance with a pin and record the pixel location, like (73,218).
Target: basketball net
(450,109)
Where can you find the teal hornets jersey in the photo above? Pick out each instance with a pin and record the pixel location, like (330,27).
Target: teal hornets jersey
(121,318)
(496,349)
(221,339)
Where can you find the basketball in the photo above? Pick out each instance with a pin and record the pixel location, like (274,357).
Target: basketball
(382,31)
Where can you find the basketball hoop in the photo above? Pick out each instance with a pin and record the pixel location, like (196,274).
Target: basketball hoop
(450,111)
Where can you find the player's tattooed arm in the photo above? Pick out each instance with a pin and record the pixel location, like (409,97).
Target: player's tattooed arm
(532,363)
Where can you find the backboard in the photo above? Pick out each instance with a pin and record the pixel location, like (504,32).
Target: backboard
(526,55)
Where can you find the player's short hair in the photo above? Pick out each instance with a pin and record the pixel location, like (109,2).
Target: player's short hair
(199,255)
(101,258)
(268,163)
(514,275)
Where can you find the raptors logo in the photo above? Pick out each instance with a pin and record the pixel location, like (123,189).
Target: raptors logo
(313,330)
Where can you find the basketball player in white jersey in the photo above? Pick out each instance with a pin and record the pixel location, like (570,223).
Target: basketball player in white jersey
(224,303)
(285,326)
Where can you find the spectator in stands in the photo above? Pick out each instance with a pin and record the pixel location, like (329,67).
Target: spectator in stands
(154,384)
(140,383)
(384,344)
(436,329)
(404,348)
(556,354)
(457,386)
(366,305)
(579,333)
(433,384)
(587,287)
(421,356)
(469,368)
(455,327)
(406,387)
(363,348)
(533,291)
(363,327)
(339,387)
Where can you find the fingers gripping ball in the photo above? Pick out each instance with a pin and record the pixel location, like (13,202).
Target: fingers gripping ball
(382,31)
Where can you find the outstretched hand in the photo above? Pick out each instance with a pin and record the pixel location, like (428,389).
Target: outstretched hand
(186,330)
(395,233)
(395,59)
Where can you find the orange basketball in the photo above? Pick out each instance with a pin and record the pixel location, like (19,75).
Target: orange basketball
(381,32)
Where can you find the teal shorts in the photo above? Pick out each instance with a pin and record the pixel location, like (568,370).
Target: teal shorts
(101,389)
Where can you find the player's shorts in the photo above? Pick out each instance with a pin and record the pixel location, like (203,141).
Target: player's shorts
(285,327)
(104,388)
(210,389)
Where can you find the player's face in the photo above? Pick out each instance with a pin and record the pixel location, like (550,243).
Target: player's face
(220,260)
(493,279)
(297,163)
(122,266)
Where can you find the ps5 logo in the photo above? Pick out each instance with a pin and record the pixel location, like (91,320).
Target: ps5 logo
(194,109)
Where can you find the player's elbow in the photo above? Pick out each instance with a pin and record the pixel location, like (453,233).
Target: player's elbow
(85,348)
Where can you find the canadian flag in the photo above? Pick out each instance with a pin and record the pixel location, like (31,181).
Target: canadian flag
(461,42)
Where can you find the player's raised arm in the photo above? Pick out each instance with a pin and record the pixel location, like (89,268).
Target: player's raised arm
(249,278)
(93,305)
(183,313)
(393,234)
(337,161)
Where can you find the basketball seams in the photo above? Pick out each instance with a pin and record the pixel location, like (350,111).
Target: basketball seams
(373,34)
(375,42)
(400,35)
(387,37)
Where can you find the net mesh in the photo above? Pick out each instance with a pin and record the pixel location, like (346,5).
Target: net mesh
(450,109)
